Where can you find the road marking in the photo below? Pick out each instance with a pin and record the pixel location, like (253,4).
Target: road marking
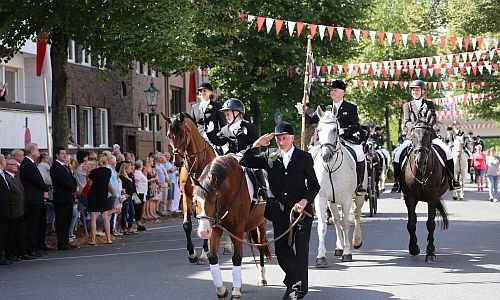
(109,254)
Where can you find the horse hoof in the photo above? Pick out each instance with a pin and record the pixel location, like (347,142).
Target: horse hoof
(262,283)
(338,252)
(193,258)
(347,258)
(414,251)
(430,259)
(236,293)
(222,295)
(321,262)
(455,198)
(358,246)
(461,198)
(202,261)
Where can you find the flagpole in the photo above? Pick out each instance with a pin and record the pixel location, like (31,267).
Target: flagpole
(305,98)
(46,109)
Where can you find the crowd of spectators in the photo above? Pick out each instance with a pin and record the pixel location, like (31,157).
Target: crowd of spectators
(107,194)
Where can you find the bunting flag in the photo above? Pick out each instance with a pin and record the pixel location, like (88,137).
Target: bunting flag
(43,63)
(385,38)
(471,126)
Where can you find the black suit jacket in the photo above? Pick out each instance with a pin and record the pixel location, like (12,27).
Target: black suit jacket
(348,119)
(63,182)
(4,197)
(16,197)
(298,181)
(427,112)
(246,135)
(212,113)
(32,180)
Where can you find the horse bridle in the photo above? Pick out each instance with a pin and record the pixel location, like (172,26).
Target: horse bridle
(215,219)
(188,157)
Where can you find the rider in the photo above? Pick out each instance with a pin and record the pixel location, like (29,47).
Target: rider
(421,109)
(375,135)
(237,135)
(207,110)
(347,116)
(454,132)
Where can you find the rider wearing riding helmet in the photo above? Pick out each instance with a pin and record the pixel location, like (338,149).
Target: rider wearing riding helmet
(417,110)
(347,116)
(236,136)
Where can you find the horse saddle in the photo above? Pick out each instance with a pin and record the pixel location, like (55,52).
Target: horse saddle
(351,151)
(441,155)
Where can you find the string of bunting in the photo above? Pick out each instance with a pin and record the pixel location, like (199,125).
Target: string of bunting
(384,37)
(391,84)
(471,126)
(450,102)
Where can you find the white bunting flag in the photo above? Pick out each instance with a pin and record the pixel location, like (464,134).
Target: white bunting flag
(461,64)
(455,70)
(372,36)
(291,27)
(269,24)
(437,59)
(398,63)
(473,63)
(404,37)
(487,44)
(434,85)
(480,68)
(405,84)
(431,72)
(340,31)
(356,34)
(318,70)
(417,71)
(464,56)
(389,37)
(473,41)
(459,41)
(391,71)
(379,71)
(362,68)
(329,69)
(443,70)
(410,62)
(350,69)
(468,70)
(386,83)
(450,57)
(321,29)
(488,67)
(375,83)
(478,55)
(423,60)
(365,83)
(421,38)
(250,19)
(495,43)
(492,54)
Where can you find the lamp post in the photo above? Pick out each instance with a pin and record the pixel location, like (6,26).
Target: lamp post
(151,96)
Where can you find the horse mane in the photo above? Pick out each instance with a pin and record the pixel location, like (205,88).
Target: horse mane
(219,168)
(190,123)
(328,116)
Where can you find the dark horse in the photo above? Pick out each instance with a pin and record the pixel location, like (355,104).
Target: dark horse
(196,154)
(222,199)
(424,180)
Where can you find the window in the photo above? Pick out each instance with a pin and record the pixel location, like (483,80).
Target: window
(175,101)
(88,127)
(150,71)
(103,115)
(102,63)
(11,78)
(86,57)
(144,121)
(137,67)
(71,51)
(72,123)
(145,69)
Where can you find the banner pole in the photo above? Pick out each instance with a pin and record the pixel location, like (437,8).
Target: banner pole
(305,98)
(47,123)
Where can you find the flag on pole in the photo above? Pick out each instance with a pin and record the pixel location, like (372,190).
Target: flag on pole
(43,64)
(310,71)
(192,87)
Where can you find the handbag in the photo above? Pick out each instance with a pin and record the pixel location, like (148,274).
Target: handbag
(136,198)
(86,189)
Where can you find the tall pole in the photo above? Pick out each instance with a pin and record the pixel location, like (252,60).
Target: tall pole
(153,109)
(305,98)
(46,109)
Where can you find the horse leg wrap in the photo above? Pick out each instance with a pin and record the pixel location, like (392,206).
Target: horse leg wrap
(216,275)
(237,276)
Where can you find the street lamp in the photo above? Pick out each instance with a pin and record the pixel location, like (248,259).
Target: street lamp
(151,96)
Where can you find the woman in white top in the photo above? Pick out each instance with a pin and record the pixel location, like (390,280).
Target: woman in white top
(141,184)
(44,168)
(493,172)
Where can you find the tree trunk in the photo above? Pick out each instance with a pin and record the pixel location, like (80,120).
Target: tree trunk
(59,58)
(254,107)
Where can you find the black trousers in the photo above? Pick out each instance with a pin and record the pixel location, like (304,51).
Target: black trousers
(64,212)
(35,219)
(16,237)
(4,228)
(294,262)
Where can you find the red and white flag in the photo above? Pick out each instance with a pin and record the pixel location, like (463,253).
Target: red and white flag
(43,65)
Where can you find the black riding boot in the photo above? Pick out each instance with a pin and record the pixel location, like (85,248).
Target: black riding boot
(360,172)
(261,183)
(396,188)
(450,171)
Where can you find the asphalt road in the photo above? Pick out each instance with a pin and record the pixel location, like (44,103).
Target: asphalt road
(154,265)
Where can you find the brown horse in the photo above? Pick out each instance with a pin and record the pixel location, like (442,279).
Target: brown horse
(222,198)
(196,154)
(424,180)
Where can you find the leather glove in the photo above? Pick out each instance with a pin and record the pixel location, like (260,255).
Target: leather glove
(210,127)
(341,131)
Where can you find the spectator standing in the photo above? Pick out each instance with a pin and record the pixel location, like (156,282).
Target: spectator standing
(173,207)
(65,190)
(479,164)
(117,187)
(153,189)
(163,184)
(478,141)
(4,91)
(98,200)
(18,155)
(44,168)
(116,150)
(4,210)
(35,193)
(469,144)
(17,229)
(128,185)
(141,184)
(493,172)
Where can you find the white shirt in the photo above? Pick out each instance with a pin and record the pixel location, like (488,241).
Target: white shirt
(287,156)
(2,174)
(235,126)
(142,182)
(30,159)
(418,103)
(204,105)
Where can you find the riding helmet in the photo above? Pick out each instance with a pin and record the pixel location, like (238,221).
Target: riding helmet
(206,86)
(338,84)
(418,83)
(283,128)
(234,104)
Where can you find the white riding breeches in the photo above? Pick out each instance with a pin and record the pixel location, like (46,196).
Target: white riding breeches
(360,155)
(436,141)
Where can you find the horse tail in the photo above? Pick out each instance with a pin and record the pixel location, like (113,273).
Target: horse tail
(441,210)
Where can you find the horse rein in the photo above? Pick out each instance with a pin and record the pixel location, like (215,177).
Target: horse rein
(188,157)
(424,180)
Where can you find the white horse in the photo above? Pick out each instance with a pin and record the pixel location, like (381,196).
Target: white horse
(336,171)
(460,165)
(385,168)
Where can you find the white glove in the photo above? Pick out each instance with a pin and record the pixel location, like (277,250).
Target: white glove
(341,131)
(300,108)
(210,127)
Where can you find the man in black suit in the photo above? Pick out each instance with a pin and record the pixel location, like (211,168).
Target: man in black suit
(35,193)
(64,195)
(289,168)
(207,110)
(4,210)
(350,130)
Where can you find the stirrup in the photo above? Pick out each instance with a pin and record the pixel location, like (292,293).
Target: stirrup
(396,188)
(360,189)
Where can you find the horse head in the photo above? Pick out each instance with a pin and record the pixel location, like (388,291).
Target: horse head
(328,134)
(208,193)
(458,144)
(421,140)
(371,146)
